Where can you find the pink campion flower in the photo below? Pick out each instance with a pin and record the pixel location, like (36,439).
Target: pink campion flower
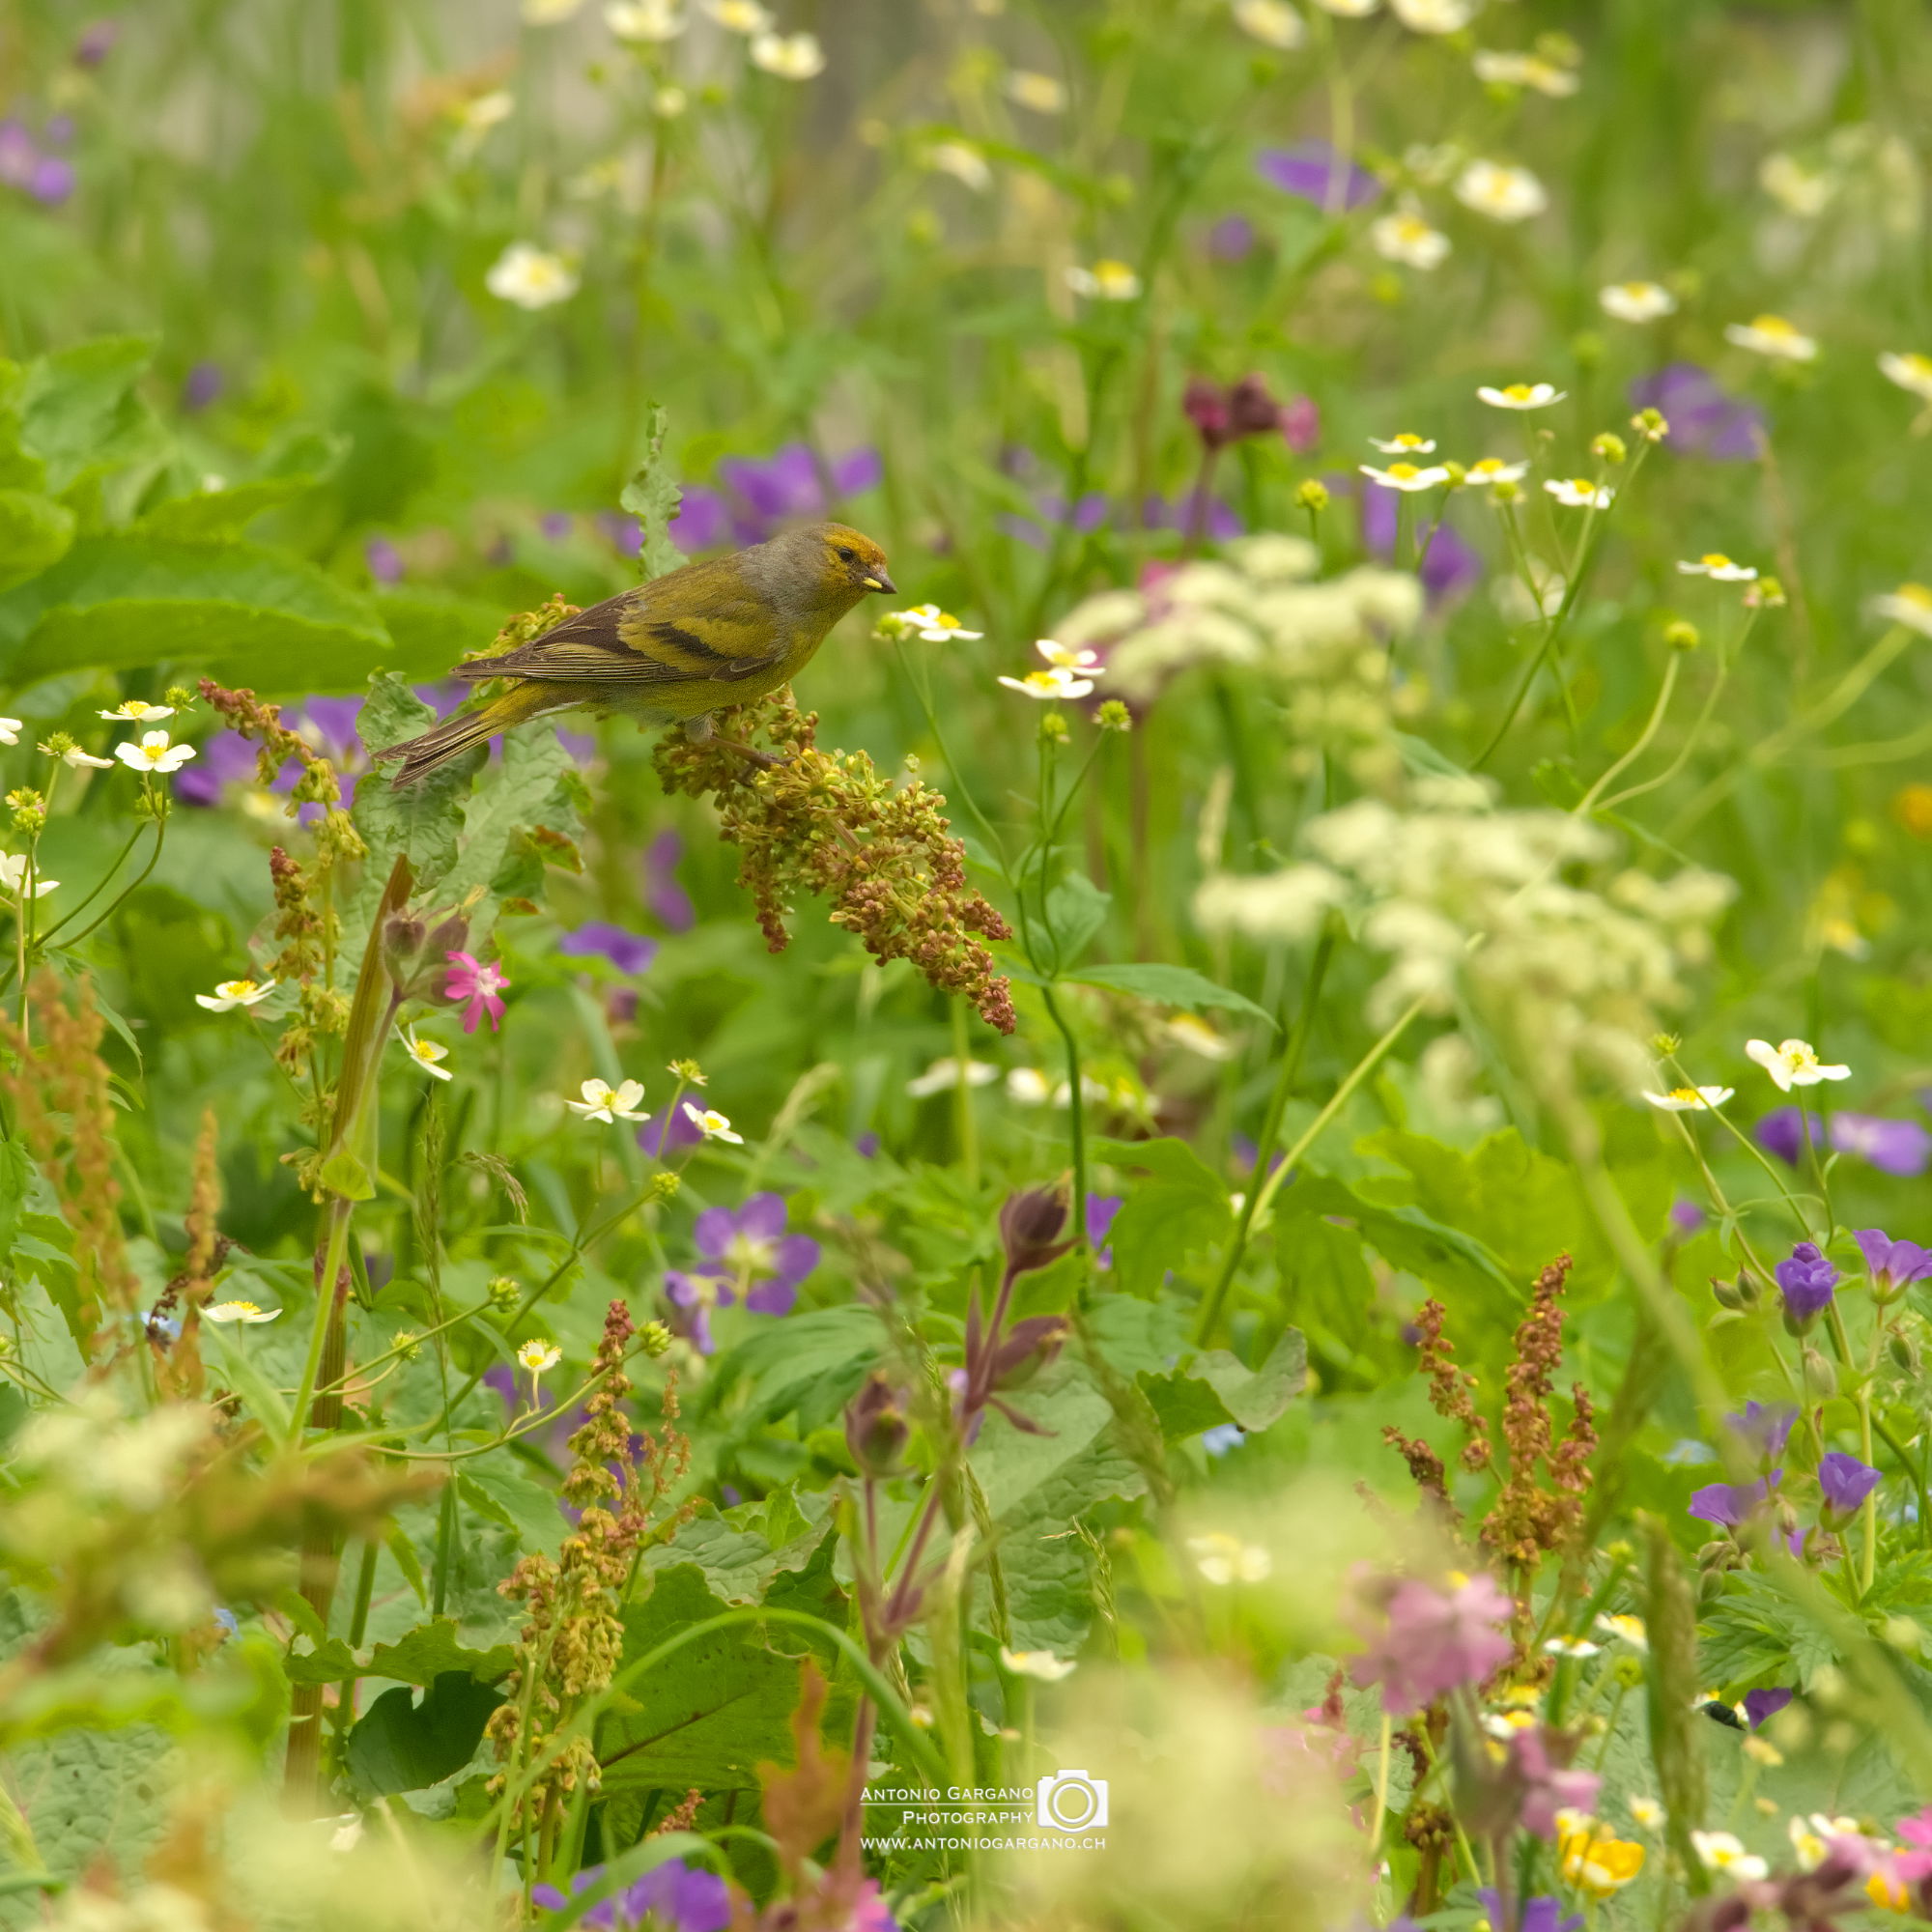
(1548,1788)
(480,984)
(1433,1640)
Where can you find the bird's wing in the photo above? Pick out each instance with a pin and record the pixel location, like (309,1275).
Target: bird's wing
(697,623)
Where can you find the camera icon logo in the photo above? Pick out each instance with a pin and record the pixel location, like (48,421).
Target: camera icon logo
(1069,1801)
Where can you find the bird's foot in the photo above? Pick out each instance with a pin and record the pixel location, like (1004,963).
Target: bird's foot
(766,761)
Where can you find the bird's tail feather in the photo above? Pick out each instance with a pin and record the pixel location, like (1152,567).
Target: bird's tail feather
(455,735)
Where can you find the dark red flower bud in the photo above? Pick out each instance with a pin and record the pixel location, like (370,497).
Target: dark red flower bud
(1206,406)
(1031,1226)
(1027,1348)
(1251,410)
(876,1427)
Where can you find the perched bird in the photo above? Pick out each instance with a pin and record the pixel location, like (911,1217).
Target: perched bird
(673,650)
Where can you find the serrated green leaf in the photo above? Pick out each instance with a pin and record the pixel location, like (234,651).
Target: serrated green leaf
(423,822)
(651,496)
(426,1653)
(215,516)
(1171,986)
(1181,1210)
(809,1363)
(1075,910)
(35,534)
(430,629)
(401,1745)
(77,404)
(501,1492)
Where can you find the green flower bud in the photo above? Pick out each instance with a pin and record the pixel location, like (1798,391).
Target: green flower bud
(505,1292)
(1681,636)
(1053,728)
(654,1339)
(1628,1670)
(1609,448)
(1311,496)
(1114,716)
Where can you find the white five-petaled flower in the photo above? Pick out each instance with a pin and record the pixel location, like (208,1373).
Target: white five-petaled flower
(1717,567)
(232,993)
(1041,1665)
(1272,22)
(1908,370)
(1721,1852)
(740,17)
(1647,1812)
(135,712)
(14,876)
(539,1359)
(1063,657)
(1488,469)
(1690,1099)
(1349,10)
(548,13)
(1496,68)
(530,277)
(1105,281)
(155,753)
(1522,395)
(934,626)
(244,1312)
(1793,1063)
(712,1125)
(1404,443)
(428,1055)
(1636,301)
(1579,493)
(1628,1630)
(1226,1559)
(1435,16)
(11,730)
(1048,684)
(75,760)
(790,56)
(1909,605)
(645,20)
(1038,92)
(1772,336)
(609,1105)
(963,161)
(943,1076)
(1405,476)
(1404,236)
(1503,193)
(1571,1646)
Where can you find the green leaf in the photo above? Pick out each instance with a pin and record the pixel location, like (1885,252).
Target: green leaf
(1181,1209)
(502,1492)
(1171,986)
(651,496)
(432,630)
(812,1363)
(1076,909)
(94,1797)
(215,516)
(739,1562)
(422,822)
(240,613)
(329,1662)
(525,792)
(1217,1388)
(35,533)
(432,1650)
(1011,1463)
(77,407)
(402,1746)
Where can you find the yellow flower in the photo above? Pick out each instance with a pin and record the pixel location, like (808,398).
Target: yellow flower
(1772,336)
(1600,1866)
(1912,806)
(1909,605)
(1910,370)
(1105,281)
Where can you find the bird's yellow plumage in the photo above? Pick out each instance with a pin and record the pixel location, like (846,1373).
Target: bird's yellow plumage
(676,650)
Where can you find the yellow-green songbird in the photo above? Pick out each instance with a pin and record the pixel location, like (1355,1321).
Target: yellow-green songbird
(673,650)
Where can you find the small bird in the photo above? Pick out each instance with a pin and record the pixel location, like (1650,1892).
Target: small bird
(673,650)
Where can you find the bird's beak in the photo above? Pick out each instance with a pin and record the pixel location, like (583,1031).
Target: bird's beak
(883,583)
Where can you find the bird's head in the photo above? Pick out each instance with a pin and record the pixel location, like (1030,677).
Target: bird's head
(849,557)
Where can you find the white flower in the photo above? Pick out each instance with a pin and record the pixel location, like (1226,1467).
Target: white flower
(1522,396)
(232,993)
(1647,1812)
(609,1105)
(1636,301)
(1039,91)
(669,102)
(348,1833)
(1520,70)
(934,626)
(790,56)
(155,753)
(1196,1035)
(530,277)
(1028,1086)
(1493,469)
(487,110)
(1579,493)
(10,730)
(1435,16)
(14,876)
(1808,1848)
(1406,237)
(1503,193)
(245,1312)
(1720,1852)
(1349,10)
(1630,1631)
(539,1359)
(1272,22)
(713,1126)
(1909,605)
(1772,336)
(1048,684)
(1793,1063)
(1406,443)
(1041,1665)
(1910,370)
(1690,1099)
(1796,188)
(1105,281)
(548,12)
(427,1055)
(1405,476)
(963,161)
(1571,1646)
(1227,1559)
(645,20)
(740,17)
(1717,567)
(135,712)
(75,760)
(1062,657)
(943,1076)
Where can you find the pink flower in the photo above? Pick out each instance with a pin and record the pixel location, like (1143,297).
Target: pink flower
(1548,1788)
(1434,1640)
(480,984)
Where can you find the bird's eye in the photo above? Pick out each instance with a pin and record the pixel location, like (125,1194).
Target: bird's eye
(847,555)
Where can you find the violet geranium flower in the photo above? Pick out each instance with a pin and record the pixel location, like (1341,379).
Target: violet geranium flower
(628,951)
(1704,420)
(1760,1706)
(1892,1147)
(1433,1640)
(1538,1915)
(751,1249)
(1892,1264)
(1312,171)
(1101,1211)
(672,1894)
(1728,1504)
(1807,1281)
(662,892)
(481,985)
(1846,1483)
(1765,1427)
(1781,1132)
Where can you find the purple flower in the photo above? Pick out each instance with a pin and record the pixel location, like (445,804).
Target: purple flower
(1765,1427)
(1232,239)
(1846,1483)
(226,758)
(1085,516)
(792,483)
(1806,1281)
(1760,1705)
(703,520)
(664,1132)
(683,1899)
(1892,1147)
(1686,1218)
(59,131)
(1704,421)
(205,383)
(662,892)
(51,180)
(1213,519)
(1101,1211)
(1312,171)
(96,43)
(751,1250)
(628,951)
(1728,1504)
(555,524)
(331,720)
(1433,1640)
(19,156)
(385,560)
(1451,565)
(1302,424)
(1781,1132)
(1892,1264)
(1538,1915)
(626,532)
